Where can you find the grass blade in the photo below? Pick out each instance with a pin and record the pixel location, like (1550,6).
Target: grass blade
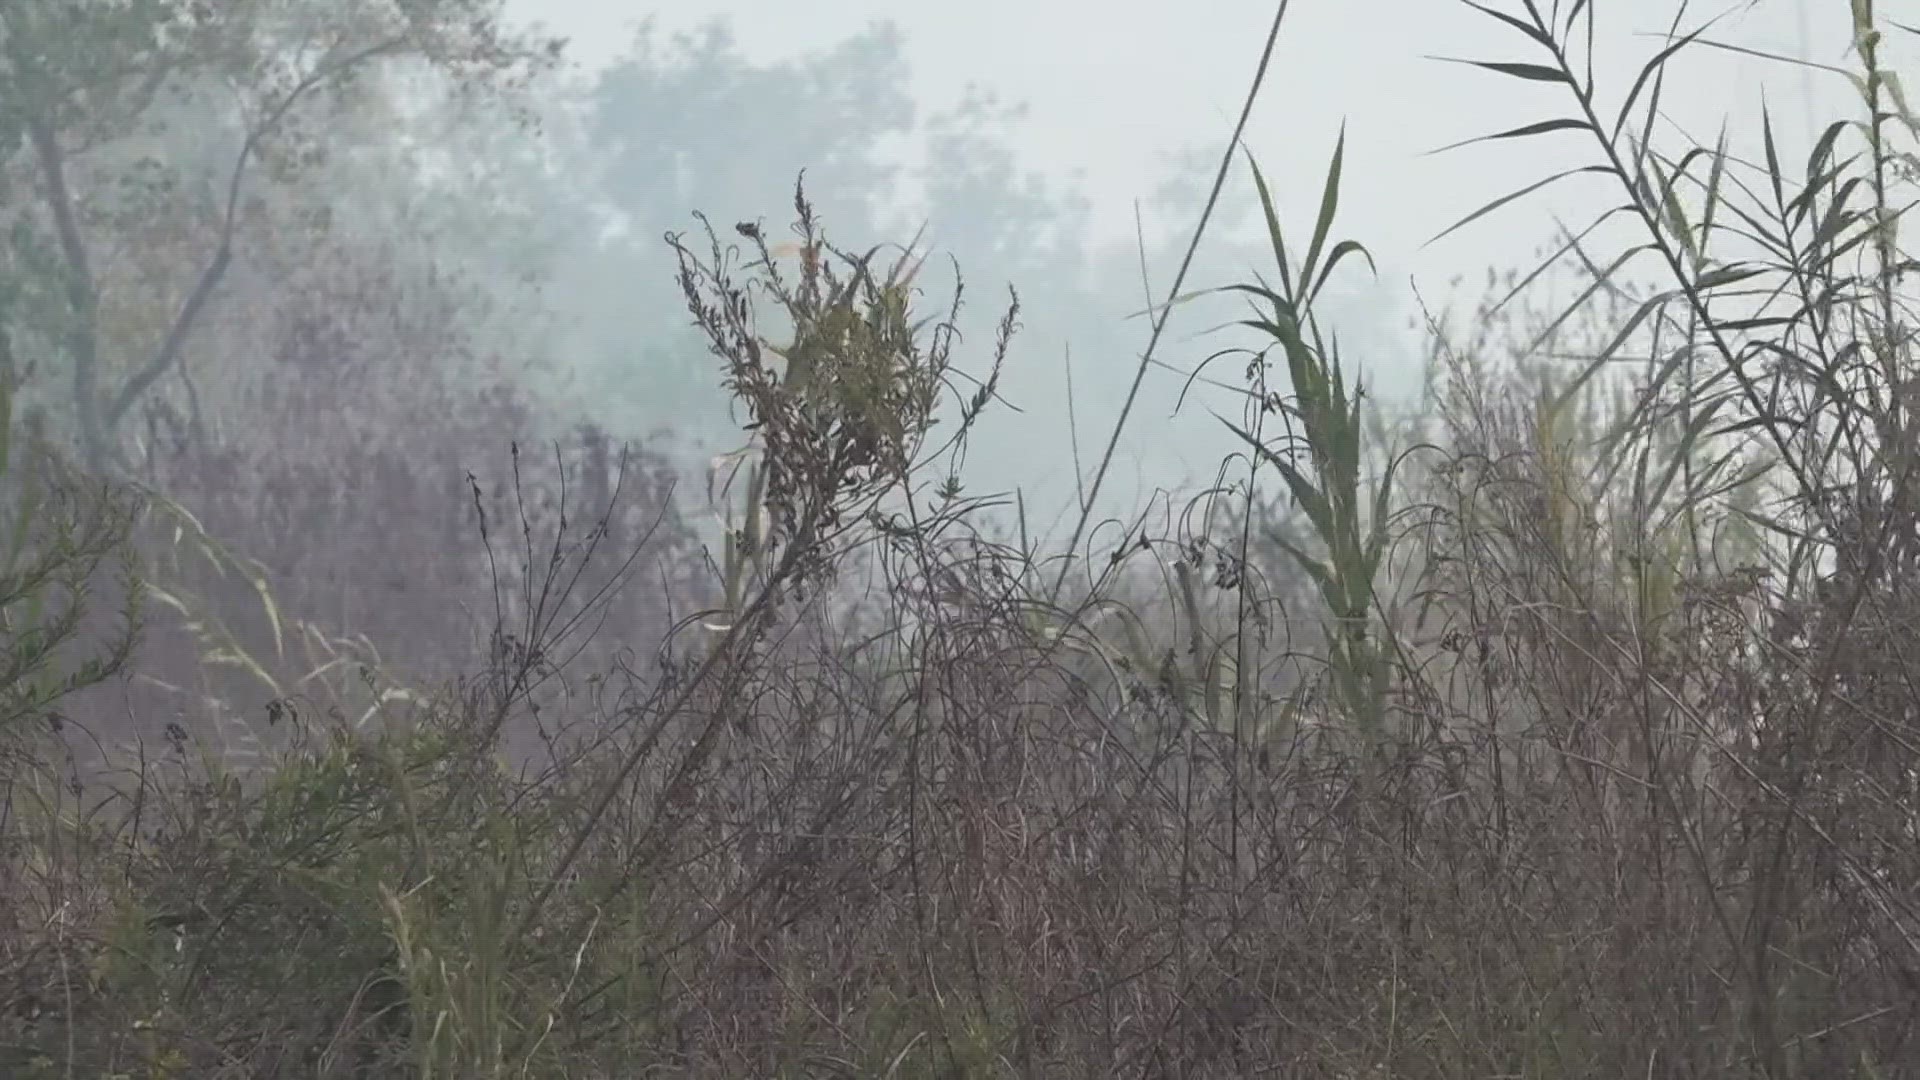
(1538,35)
(1540,128)
(1340,251)
(1274,235)
(1529,72)
(1329,205)
(1651,68)
(1514,195)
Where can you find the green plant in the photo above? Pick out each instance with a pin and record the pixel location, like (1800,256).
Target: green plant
(842,424)
(60,532)
(1350,525)
(1648,808)
(1780,359)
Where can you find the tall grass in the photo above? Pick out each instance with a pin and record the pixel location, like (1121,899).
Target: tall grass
(1570,734)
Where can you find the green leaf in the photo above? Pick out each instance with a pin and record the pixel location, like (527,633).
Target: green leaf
(1652,67)
(1273,226)
(1689,436)
(1600,281)
(1574,13)
(1529,72)
(1714,176)
(1739,325)
(1382,501)
(1726,275)
(1547,263)
(1340,251)
(1538,35)
(1675,216)
(1540,128)
(1329,205)
(1773,156)
(1816,160)
(6,421)
(1310,498)
(1319,571)
(1512,196)
(1606,354)
(1836,218)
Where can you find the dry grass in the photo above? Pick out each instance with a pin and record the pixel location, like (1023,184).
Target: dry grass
(1578,743)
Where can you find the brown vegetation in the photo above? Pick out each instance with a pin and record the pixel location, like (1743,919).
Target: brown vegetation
(1586,749)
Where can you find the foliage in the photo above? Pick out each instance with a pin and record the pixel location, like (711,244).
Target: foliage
(1330,430)
(86,75)
(691,120)
(1596,758)
(61,533)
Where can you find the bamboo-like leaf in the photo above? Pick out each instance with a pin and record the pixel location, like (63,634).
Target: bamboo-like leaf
(1762,54)
(1714,176)
(1840,252)
(1529,72)
(1760,231)
(1773,525)
(235,657)
(1176,301)
(1644,416)
(168,599)
(1274,235)
(268,604)
(322,671)
(1541,128)
(1329,206)
(1803,203)
(1773,156)
(1313,502)
(1822,148)
(1547,263)
(1573,13)
(1706,491)
(1676,218)
(1538,35)
(1689,437)
(1750,423)
(6,424)
(1322,575)
(1896,92)
(1726,275)
(1341,251)
(1382,501)
(1759,323)
(1651,68)
(1511,196)
(1606,354)
(1316,505)
(1600,280)
(1836,218)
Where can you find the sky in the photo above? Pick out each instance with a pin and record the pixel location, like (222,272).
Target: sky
(1117,89)
(1118,92)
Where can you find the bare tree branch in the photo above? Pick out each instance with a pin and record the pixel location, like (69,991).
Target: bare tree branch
(83,298)
(169,352)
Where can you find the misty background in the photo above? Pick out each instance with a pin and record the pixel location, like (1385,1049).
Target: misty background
(386,689)
(461,246)
(1040,144)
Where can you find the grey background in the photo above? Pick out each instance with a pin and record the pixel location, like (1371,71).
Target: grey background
(1130,102)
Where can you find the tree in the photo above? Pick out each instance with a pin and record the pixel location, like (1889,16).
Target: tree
(689,124)
(99,93)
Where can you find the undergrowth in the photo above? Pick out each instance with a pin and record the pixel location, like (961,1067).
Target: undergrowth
(1569,733)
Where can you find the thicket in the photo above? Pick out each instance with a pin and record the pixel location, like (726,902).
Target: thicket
(1572,736)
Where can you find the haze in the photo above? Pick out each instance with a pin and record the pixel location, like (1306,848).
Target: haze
(1127,107)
